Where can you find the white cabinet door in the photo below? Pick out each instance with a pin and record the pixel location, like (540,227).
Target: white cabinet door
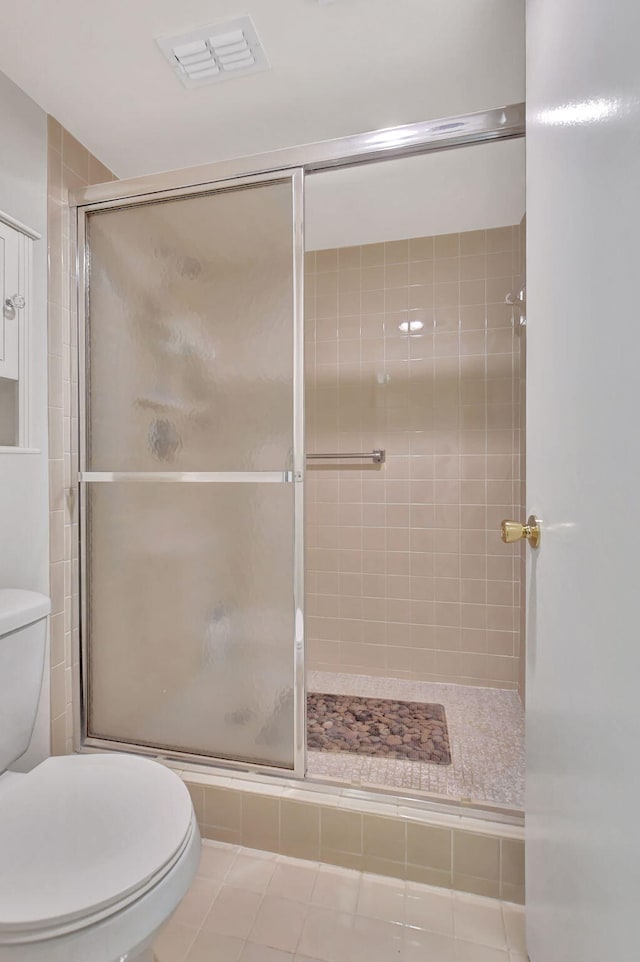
(11,247)
(583,479)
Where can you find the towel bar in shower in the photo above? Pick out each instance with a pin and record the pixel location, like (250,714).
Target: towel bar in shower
(378,456)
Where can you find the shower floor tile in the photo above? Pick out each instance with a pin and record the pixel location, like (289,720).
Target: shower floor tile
(486,731)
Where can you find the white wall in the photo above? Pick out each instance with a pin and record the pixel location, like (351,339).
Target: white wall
(469,188)
(24,511)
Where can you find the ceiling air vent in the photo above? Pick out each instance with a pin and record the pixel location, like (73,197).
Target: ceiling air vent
(215,53)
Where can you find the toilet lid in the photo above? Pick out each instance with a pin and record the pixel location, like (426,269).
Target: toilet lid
(82,832)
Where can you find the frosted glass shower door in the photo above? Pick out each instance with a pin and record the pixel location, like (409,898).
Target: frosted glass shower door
(191,469)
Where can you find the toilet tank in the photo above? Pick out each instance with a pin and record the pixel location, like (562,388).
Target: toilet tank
(23,635)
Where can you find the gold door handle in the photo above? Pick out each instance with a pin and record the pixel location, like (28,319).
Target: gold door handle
(511,531)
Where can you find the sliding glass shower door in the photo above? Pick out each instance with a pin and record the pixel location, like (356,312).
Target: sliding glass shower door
(191,471)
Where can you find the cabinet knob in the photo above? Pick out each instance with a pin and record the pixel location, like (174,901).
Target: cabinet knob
(17,302)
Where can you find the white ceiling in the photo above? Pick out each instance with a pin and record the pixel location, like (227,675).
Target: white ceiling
(336,69)
(471,188)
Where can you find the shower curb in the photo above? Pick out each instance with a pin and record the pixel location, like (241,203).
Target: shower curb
(401,838)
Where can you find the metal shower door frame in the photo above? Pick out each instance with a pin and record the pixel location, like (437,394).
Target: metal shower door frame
(82,736)
(495,124)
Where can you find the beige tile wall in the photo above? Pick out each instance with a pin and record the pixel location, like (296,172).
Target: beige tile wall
(403,844)
(406,573)
(70,165)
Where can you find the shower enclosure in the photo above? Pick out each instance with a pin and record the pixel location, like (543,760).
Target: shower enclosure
(192,451)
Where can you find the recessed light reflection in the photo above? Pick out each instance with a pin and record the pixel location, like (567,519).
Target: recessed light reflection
(582,112)
(410,327)
(391,138)
(454,125)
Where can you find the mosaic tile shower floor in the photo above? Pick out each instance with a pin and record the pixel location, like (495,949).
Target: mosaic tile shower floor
(486,731)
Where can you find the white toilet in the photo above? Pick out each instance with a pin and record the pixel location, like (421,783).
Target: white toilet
(96,851)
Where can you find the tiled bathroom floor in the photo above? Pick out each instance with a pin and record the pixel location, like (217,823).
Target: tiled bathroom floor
(250,906)
(486,731)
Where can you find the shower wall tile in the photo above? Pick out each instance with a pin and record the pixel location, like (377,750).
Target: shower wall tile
(70,165)
(406,573)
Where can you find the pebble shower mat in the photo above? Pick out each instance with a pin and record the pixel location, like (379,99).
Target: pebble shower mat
(384,727)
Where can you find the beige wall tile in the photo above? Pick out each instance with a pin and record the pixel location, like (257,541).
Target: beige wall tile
(396,251)
(197,797)
(343,859)
(383,866)
(428,847)
(340,831)
(476,855)
(512,893)
(54,134)
(56,536)
(500,239)
(383,838)
(260,822)
(299,829)
(372,255)
(228,835)
(473,242)
(58,693)
(421,248)
(389,529)
(326,260)
(99,173)
(429,876)
(75,156)
(59,735)
(57,638)
(55,188)
(70,166)
(349,258)
(478,886)
(222,808)
(512,865)
(447,245)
